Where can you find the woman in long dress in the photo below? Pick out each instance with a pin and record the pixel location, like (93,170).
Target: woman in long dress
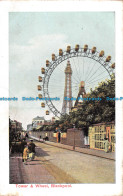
(25,153)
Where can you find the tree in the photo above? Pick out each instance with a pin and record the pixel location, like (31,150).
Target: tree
(94,111)
(91,111)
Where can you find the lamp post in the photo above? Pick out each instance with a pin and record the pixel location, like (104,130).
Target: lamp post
(74,137)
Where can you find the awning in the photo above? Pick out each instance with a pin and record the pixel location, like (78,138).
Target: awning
(38,127)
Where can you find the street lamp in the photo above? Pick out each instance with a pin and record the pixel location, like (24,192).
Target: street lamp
(74,137)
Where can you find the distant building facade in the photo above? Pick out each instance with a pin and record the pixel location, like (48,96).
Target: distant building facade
(98,133)
(29,127)
(16,126)
(37,122)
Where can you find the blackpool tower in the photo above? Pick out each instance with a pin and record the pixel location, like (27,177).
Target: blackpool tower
(67,102)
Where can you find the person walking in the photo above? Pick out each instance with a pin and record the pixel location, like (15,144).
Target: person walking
(25,154)
(26,135)
(106,145)
(23,144)
(31,150)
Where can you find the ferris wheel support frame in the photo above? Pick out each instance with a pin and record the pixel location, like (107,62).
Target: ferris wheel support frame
(67,55)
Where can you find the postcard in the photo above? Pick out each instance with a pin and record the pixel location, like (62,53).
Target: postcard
(61,98)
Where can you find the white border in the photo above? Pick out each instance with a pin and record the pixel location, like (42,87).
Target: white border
(83,189)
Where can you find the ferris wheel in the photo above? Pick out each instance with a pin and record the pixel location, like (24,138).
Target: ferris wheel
(87,66)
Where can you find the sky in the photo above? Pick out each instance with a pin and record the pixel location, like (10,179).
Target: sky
(34,36)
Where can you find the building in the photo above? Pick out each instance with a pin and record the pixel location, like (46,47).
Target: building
(37,121)
(13,125)
(98,133)
(47,122)
(29,127)
(16,126)
(15,131)
(54,119)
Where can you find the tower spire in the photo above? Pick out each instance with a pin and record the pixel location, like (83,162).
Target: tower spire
(67,102)
(82,93)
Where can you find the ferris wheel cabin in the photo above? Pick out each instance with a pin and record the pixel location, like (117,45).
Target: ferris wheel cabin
(53,57)
(68,49)
(40,96)
(85,48)
(76,48)
(39,88)
(47,112)
(93,50)
(60,52)
(47,63)
(39,78)
(42,70)
(108,58)
(113,65)
(101,54)
(43,105)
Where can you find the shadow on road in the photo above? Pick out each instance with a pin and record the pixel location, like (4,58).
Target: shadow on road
(40,152)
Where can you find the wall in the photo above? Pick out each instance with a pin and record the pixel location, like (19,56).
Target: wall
(78,135)
(68,138)
(43,134)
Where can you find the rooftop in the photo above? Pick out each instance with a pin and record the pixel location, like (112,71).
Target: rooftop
(38,118)
(47,120)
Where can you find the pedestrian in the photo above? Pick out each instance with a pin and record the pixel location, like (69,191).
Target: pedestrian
(31,147)
(26,135)
(39,137)
(25,154)
(106,145)
(23,144)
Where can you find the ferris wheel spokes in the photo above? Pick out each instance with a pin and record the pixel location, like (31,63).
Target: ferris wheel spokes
(87,65)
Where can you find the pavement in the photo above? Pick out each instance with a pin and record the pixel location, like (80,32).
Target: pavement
(82,168)
(33,172)
(93,152)
(54,163)
(16,169)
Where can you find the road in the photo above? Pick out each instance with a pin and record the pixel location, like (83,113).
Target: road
(57,165)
